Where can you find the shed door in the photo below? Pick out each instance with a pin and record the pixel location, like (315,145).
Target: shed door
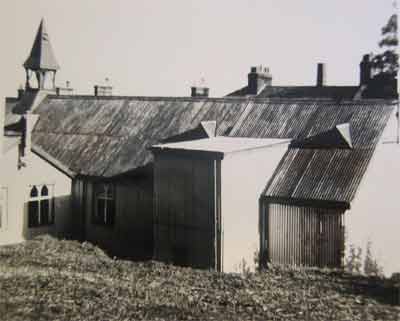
(303,235)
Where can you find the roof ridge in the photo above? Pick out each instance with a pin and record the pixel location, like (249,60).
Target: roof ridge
(232,98)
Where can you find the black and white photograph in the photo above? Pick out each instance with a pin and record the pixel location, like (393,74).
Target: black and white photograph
(199,160)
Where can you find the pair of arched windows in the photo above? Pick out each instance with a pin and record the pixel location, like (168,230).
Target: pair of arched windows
(40,206)
(104,204)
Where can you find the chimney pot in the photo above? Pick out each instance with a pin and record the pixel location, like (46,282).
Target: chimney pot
(258,78)
(103,90)
(321,75)
(197,91)
(67,90)
(365,70)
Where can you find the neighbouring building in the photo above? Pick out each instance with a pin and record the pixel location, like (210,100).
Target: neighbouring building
(281,173)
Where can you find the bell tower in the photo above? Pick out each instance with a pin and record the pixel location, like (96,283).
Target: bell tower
(41,62)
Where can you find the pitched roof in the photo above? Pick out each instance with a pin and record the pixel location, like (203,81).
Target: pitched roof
(337,137)
(279,118)
(107,136)
(42,55)
(319,174)
(303,92)
(331,174)
(205,129)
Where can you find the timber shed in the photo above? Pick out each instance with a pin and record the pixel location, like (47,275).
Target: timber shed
(206,199)
(91,153)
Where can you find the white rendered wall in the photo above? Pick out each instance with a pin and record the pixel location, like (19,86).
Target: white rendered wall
(17,184)
(375,211)
(244,175)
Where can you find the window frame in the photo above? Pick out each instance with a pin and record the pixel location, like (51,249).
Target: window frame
(106,192)
(40,199)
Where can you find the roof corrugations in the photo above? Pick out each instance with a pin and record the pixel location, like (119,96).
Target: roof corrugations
(274,119)
(319,174)
(302,92)
(331,174)
(107,136)
(300,119)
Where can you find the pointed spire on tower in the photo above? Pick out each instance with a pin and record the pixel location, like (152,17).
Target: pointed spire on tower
(42,56)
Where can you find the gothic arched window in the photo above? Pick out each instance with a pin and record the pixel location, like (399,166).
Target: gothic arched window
(40,211)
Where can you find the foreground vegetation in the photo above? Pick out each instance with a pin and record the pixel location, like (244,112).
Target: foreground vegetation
(47,279)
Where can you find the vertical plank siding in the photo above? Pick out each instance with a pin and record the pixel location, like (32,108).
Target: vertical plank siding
(303,236)
(184,221)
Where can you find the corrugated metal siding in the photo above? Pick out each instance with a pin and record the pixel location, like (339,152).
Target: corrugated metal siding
(331,175)
(304,236)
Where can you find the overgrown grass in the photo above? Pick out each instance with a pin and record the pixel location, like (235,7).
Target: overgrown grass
(47,279)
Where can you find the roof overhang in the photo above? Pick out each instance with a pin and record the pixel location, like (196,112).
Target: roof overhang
(217,147)
(331,204)
(52,161)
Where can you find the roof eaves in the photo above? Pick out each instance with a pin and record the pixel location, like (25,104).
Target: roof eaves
(187,152)
(52,161)
(316,203)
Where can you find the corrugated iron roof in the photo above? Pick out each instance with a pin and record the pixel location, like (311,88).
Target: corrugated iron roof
(277,118)
(106,136)
(331,174)
(319,174)
(110,135)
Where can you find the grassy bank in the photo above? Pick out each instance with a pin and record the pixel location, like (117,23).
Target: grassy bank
(47,279)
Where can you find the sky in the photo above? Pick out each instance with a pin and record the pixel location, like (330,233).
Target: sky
(161,48)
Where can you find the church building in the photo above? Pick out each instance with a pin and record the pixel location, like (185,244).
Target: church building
(283,174)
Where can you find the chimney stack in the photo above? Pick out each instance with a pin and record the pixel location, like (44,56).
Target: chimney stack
(200,91)
(67,90)
(103,90)
(321,75)
(365,70)
(28,123)
(258,78)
